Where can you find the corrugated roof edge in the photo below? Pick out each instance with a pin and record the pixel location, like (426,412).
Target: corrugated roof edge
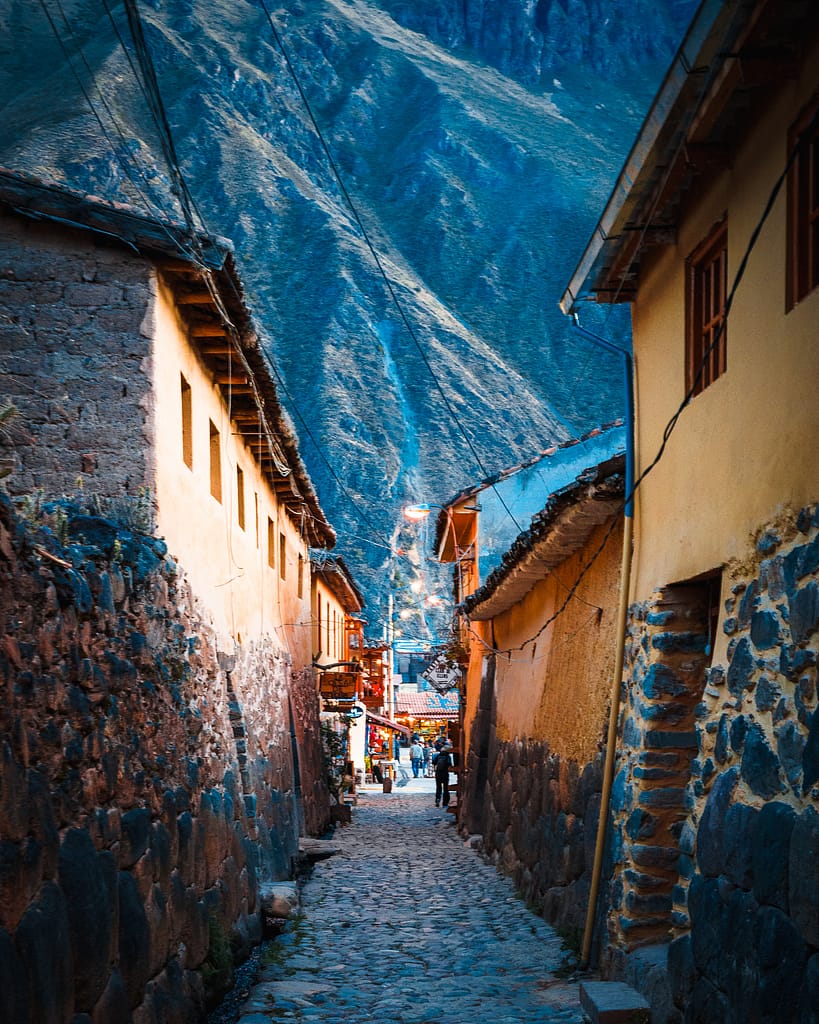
(490,481)
(604,482)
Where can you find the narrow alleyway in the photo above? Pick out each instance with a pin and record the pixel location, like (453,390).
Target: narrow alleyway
(407,925)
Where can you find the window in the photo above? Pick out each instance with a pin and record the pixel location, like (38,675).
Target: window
(301,577)
(803,207)
(282,557)
(187,422)
(271,543)
(256,511)
(215,462)
(705,329)
(240,497)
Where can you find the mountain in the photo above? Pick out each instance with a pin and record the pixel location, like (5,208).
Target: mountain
(416,333)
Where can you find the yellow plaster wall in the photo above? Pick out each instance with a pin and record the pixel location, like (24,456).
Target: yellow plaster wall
(327,642)
(557,688)
(227,565)
(744,451)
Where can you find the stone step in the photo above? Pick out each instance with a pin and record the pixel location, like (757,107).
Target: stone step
(613,1002)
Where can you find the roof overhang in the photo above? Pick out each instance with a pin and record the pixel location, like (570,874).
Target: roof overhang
(556,534)
(386,723)
(732,54)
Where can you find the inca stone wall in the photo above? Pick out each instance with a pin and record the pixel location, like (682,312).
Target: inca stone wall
(58,302)
(539,826)
(739,829)
(146,783)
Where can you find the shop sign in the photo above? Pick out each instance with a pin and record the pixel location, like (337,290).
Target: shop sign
(442,674)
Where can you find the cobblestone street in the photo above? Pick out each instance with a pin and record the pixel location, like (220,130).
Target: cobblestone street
(407,925)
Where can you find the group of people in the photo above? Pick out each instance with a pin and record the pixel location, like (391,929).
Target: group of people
(433,756)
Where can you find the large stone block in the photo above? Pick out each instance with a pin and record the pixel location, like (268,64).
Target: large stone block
(782,955)
(43,944)
(737,844)
(770,853)
(710,834)
(13,983)
(88,902)
(760,765)
(134,939)
(803,875)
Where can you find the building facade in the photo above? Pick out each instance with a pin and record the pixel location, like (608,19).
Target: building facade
(156,600)
(710,235)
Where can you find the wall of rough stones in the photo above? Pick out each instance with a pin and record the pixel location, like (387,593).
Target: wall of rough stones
(744,850)
(146,779)
(538,820)
(59,300)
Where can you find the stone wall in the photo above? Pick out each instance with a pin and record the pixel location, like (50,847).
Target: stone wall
(146,781)
(539,824)
(58,302)
(744,843)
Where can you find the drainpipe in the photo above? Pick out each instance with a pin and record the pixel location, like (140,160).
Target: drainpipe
(619,653)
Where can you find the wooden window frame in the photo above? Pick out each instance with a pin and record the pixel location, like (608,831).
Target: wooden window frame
(282,555)
(802,268)
(271,543)
(215,462)
(186,402)
(706,289)
(240,497)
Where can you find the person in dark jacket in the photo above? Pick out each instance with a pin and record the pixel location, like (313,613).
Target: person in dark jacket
(443,764)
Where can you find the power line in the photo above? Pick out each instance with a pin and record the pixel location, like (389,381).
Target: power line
(376,258)
(672,423)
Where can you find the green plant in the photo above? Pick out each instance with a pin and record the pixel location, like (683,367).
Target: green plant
(217,969)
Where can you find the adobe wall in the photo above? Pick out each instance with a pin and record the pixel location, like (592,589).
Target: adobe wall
(146,780)
(78,417)
(534,762)
(716,801)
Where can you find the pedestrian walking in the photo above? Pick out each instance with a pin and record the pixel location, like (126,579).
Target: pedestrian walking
(443,762)
(427,752)
(416,758)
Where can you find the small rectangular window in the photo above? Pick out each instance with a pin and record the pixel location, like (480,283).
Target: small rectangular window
(301,577)
(187,422)
(240,497)
(282,556)
(271,543)
(803,207)
(706,330)
(256,510)
(215,462)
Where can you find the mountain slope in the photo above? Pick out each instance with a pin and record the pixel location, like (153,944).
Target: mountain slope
(477,141)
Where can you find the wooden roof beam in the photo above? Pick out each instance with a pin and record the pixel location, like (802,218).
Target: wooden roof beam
(195,299)
(208,331)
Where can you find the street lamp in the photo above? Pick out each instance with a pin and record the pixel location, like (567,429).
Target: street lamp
(415,513)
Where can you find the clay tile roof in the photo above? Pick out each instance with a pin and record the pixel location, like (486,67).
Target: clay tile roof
(427,704)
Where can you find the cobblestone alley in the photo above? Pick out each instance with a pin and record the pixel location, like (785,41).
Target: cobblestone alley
(407,925)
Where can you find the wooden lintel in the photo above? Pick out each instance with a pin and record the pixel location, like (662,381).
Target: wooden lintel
(208,331)
(217,350)
(173,266)
(195,298)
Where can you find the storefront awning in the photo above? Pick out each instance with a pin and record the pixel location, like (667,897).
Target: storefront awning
(387,723)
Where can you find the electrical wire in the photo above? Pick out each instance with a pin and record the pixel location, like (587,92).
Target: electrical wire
(672,422)
(377,259)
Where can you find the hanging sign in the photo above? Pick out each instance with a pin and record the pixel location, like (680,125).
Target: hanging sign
(442,674)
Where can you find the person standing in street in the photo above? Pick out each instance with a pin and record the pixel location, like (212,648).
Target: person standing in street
(416,757)
(443,763)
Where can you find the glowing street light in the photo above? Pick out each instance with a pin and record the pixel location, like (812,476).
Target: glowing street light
(415,513)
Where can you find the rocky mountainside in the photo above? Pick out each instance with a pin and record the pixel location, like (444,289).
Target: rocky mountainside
(477,140)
